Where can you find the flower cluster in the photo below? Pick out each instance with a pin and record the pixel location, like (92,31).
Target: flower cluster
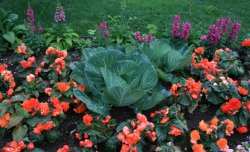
(4,121)
(9,78)
(232,106)
(185,31)
(28,64)
(43,127)
(193,88)
(59,107)
(65,148)
(130,138)
(174,90)
(63,86)
(14,146)
(146,38)
(59,63)
(246,43)
(217,30)
(87,119)
(84,141)
(233,34)
(22,49)
(211,130)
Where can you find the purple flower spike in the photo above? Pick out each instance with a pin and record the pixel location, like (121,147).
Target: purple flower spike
(60,14)
(40,28)
(32,29)
(233,34)
(185,31)
(137,36)
(30,15)
(176,26)
(223,24)
(103,26)
(214,34)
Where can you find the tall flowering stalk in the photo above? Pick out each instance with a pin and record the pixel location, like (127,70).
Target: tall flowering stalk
(30,14)
(214,34)
(176,26)
(60,14)
(233,34)
(185,31)
(104,29)
(223,24)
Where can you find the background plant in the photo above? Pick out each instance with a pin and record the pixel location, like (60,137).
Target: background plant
(10,31)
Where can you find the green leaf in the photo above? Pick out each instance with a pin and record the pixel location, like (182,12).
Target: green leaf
(10,37)
(184,99)
(17,117)
(4,107)
(91,105)
(119,96)
(149,101)
(68,41)
(112,79)
(20,132)
(19,97)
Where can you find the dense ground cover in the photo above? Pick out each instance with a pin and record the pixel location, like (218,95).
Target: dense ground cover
(125,86)
(199,12)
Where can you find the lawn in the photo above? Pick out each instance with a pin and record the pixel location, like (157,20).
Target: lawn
(84,15)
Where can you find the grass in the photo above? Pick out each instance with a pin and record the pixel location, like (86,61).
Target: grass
(86,14)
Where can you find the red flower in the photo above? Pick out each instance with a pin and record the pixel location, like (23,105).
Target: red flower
(234,104)
(175,131)
(87,119)
(30,146)
(80,109)
(22,49)
(44,109)
(242,91)
(5,120)
(63,86)
(106,120)
(31,104)
(246,43)
(242,129)
(199,50)
(164,120)
(65,148)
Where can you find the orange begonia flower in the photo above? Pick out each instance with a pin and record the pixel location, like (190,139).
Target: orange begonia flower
(195,136)
(63,86)
(5,120)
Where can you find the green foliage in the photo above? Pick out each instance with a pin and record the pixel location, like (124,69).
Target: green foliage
(35,42)
(218,92)
(10,31)
(166,56)
(119,30)
(117,79)
(60,37)
(230,63)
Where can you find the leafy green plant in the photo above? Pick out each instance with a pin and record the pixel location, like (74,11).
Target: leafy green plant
(167,58)
(35,42)
(117,79)
(164,119)
(10,31)
(61,37)
(230,63)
